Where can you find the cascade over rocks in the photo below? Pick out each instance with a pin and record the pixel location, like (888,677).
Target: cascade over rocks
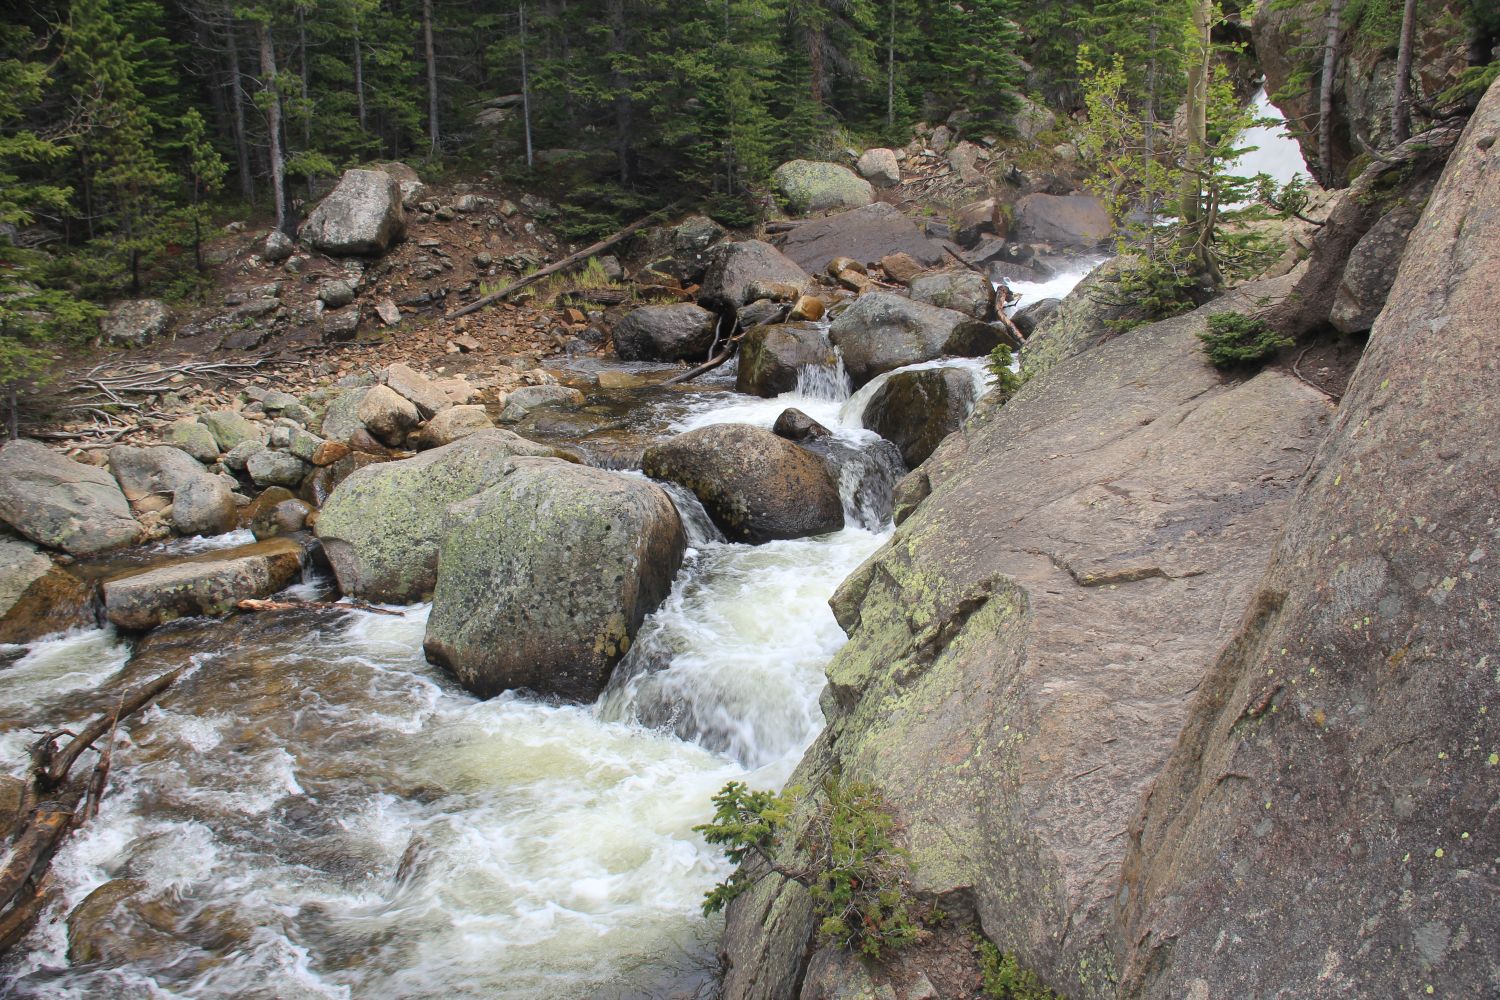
(680,331)
(60,503)
(756,486)
(545,577)
(810,186)
(866,234)
(362,216)
(1023,651)
(772,356)
(1337,769)
(383,524)
(883,331)
(916,410)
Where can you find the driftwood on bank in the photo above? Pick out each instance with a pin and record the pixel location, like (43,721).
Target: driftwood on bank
(253,604)
(710,364)
(53,804)
(570,261)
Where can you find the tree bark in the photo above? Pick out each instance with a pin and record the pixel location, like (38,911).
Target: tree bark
(273,125)
(432,80)
(617,84)
(359,81)
(890,70)
(1401,105)
(525,91)
(237,101)
(1325,91)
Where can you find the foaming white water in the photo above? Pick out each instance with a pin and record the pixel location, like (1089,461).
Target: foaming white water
(1275,152)
(203,543)
(1027,293)
(51,669)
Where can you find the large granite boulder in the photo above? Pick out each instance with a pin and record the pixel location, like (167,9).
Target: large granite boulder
(60,503)
(204,586)
(1067,221)
(772,357)
(135,323)
(382,526)
(160,469)
(964,291)
(386,414)
(1371,270)
(204,505)
(1332,800)
(37,597)
(734,268)
(867,235)
(545,577)
(916,410)
(680,331)
(756,486)
(454,423)
(230,428)
(361,216)
(1023,651)
(811,186)
(880,167)
(883,331)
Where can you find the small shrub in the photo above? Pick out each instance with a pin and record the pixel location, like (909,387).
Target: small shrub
(1007,382)
(1233,340)
(1154,290)
(1003,978)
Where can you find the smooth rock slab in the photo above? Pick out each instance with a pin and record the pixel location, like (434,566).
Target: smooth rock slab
(545,577)
(203,586)
(60,503)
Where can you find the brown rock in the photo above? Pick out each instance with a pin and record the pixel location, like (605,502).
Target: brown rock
(807,307)
(328,452)
(901,267)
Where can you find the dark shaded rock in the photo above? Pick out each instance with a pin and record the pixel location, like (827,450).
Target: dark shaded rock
(734,267)
(794,425)
(916,410)
(762,311)
(1372,270)
(975,339)
(883,331)
(865,234)
(1074,221)
(771,356)
(319,486)
(680,331)
(38,598)
(545,578)
(756,486)
(1028,318)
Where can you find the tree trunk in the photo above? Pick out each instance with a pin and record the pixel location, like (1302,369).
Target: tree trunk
(1325,92)
(359,81)
(1401,105)
(890,71)
(432,81)
(815,64)
(237,94)
(1190,209)
(273,125)
(525,90)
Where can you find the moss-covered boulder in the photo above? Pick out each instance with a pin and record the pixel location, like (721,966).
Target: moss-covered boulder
(811,186)
(546,576)
(756,486)
(771,356)
(382,525)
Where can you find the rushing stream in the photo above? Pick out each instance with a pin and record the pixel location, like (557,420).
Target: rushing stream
(314,811)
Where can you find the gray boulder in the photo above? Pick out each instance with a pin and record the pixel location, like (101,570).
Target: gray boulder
(682,250)
(681,331)
(527,398)
(340,325)
(545,578)
(336,292)
(1072,221)
(135,323)
(361,216)
(883,331)
(1028,318)
(161,469)
(772,356)
(756,486)
(276,468)
(423,393)
(734,267)
(204,505)
(194,438)
(236,457)
(382,526)
(964,291)
(230,428)
(203,587)
(1031,120)
(880,167)
(810,186)
(387,414)
(341,419)
(277,247)
(916,410)
(454,423)
(60,503)
(867,235)
(1371,271)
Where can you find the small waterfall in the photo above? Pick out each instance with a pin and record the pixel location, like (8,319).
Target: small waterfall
(852,413)
(699,527)
(829,382)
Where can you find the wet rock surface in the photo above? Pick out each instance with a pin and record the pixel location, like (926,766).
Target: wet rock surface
(916,410)
(882,332)
(204,586)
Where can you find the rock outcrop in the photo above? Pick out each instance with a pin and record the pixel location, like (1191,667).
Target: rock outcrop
(545,577)
(1338,769)
(1023,651)
(1073,222)
(756,486)
(60,503)
(382,526)
(360,217)
(883,331)
(865,234)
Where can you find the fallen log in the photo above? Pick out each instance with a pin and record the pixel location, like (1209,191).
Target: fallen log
(567,262)
(253,604)
(710,364)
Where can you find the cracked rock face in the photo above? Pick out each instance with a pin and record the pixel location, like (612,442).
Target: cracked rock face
(1023,651)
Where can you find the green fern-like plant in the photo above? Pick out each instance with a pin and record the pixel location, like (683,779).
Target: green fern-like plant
(1003,978)
(1234,340)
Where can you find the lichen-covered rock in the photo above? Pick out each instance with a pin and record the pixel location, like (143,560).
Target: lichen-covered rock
(236,457)
(527,398)
(204,505)
(454,423)
(382,525)
(159,469)
(37,597)
(811,186)
(545,577)
(756,486)
(1331,801)
(193,438)
(1372,270)
(135,323)
(1031,119)
(1083,320)
(681,251)
(361,216)
(276,468)
(277,247)
(212,587)
(883,331)
(772,356)
(341,419)
(1073,221)
(880,167)
(916,410)
(964,291)
(230,428)
(336,292)
(733,268)
(679,331)
(60,503)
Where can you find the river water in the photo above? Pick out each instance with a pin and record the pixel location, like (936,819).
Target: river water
(315,811)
